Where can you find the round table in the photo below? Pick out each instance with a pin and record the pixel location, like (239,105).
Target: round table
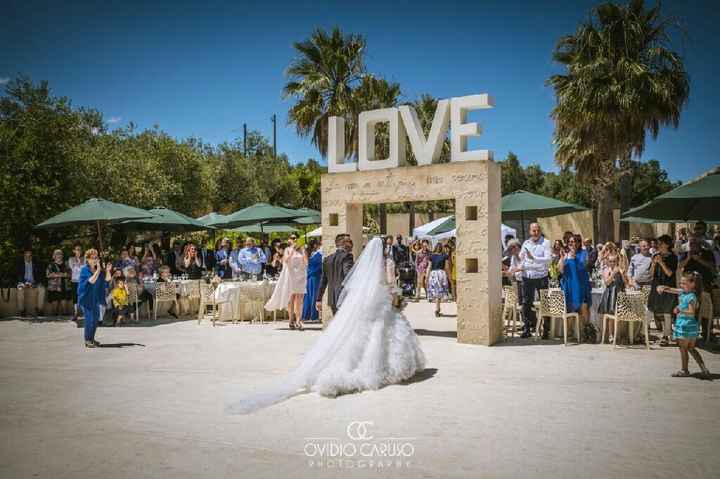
(230,296)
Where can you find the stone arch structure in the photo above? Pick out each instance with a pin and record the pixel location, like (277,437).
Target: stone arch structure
(475,187)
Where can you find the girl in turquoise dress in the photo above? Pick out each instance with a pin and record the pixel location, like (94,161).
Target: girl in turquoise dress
(686,324)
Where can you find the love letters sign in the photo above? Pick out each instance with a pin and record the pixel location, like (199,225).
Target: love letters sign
(402,122)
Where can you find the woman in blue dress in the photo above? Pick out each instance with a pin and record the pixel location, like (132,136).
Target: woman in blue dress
(575,280)
(91,293)
(314,272)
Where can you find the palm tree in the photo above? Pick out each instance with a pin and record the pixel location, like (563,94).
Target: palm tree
(322,77)
(622,81)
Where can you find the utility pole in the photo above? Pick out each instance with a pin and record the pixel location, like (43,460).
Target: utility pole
(245,139)
(274,122)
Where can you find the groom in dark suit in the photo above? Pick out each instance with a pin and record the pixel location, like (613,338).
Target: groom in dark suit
(335,268)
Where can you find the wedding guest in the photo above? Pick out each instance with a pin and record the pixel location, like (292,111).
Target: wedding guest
(653,246)
(314,273)
(222,259)
(415,248)
(175,257)
(148,265)
(291,285)
(535,256)
(640,265)
(438,287)
(75,264)
(192,264)
(124,261)
(716,250)
(250,260)
(615,280)
(553,270)
(390,267)
(422,260)
(91,293)
(132,254)
(575,281)
(592,255)
(295,261)
(453,273)
(30,279)
(701,261)
(274,264)
(58,283)
(120,303)
(132,281)
(234,263)
(663,270)
(207,256)
(514,270)
(400,252)
(267,251)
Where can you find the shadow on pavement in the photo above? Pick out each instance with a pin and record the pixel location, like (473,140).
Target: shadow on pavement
(119,345)
(441,334)
(424,375)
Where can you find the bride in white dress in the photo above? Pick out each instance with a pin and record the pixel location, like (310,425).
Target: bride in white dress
(368,344)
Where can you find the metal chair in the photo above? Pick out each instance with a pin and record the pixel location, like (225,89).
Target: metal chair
(207,298)
(134,299)
(254,294)
(192,290)
(542,311)
(165,292)
(557,309)
(629,307)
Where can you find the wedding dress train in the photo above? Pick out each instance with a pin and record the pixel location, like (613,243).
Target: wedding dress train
(367,345)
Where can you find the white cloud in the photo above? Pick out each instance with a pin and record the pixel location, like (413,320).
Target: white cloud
(114,119)
(4,80)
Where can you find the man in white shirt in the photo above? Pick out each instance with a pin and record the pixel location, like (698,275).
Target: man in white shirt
(535,258)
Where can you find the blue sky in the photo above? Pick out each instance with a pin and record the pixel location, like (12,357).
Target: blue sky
(205,68)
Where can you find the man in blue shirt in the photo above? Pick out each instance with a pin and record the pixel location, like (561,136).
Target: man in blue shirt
(250,260)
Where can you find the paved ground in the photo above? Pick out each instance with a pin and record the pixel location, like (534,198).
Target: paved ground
(153,407)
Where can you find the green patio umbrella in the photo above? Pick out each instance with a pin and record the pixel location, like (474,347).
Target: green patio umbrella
(257,213)
(696,200)
(95,211)
(522,205)
(164,219)
(210,218)
(265,228)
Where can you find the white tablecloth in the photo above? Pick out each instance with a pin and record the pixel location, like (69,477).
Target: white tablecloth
(230,293)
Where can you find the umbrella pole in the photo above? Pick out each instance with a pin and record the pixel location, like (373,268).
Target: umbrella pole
(522,225)
(99,230)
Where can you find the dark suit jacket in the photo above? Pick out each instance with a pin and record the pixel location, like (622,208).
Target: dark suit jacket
(38,271)
(334,270)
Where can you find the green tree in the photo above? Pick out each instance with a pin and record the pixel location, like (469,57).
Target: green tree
(513,174)
(39,134)
(622,81)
